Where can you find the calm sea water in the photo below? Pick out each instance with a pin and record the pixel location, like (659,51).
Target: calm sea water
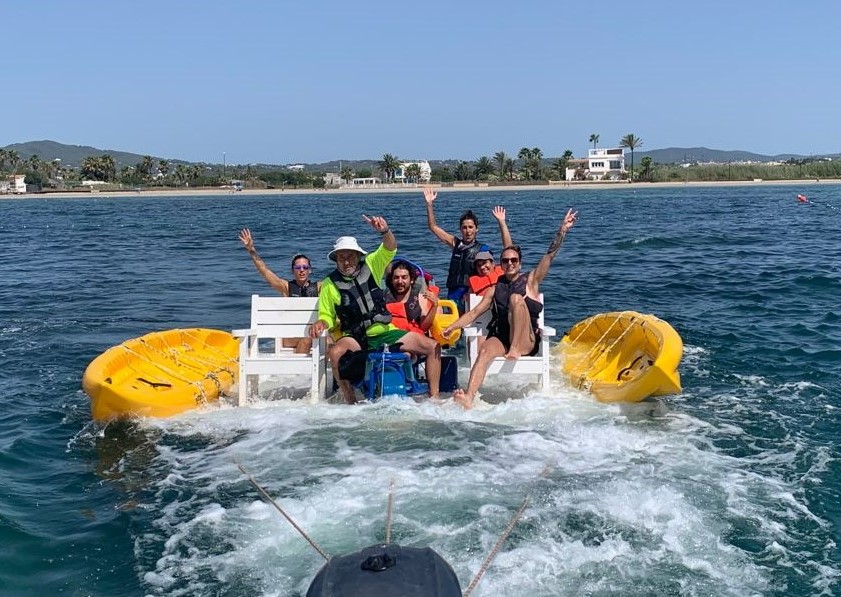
(730,488)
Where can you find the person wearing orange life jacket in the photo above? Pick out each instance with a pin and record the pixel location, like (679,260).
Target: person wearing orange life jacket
(412,309)
(486,273)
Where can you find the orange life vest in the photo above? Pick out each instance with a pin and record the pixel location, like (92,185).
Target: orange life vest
(479,284)
(401,319)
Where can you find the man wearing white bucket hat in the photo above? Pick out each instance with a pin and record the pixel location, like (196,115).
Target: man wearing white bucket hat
(352,303)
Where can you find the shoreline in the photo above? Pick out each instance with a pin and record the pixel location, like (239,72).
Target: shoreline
(458,187)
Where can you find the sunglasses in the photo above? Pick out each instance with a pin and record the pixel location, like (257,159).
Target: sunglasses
(511,260)
(301,268)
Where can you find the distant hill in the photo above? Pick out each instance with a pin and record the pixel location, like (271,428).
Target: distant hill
(680,155)
(73,155)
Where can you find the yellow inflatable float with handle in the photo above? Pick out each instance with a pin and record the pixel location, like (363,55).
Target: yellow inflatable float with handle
(446,315)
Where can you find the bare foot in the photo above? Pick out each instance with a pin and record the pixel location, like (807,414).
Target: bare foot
(464,399)
(512,355)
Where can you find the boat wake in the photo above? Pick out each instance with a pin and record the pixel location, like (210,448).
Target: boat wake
(640,498)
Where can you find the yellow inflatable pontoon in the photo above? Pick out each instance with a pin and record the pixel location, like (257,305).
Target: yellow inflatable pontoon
(161,374)
(623,356)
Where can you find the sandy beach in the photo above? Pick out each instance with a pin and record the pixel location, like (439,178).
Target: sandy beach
(457,187)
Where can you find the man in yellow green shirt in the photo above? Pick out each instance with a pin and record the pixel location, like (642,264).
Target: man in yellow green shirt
(351,304)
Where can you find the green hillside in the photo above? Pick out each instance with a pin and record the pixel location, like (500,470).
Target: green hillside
(73,155)
(70,155)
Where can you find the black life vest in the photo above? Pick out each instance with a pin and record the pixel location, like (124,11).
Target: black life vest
(311,289)
(461,263)
(502,296)
(361,303)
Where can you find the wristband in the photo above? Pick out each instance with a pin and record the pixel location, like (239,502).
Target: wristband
(386,231)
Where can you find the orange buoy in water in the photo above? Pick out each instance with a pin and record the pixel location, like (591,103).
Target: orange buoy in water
(802,199)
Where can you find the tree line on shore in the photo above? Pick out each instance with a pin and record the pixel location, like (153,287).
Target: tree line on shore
(529,166)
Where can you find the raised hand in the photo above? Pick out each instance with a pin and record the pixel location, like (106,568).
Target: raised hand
(246,240)
(378,223)
(569,220)
(499,213)
(429,195)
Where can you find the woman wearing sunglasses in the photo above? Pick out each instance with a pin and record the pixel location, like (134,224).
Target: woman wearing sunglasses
(299,285)
(515,304)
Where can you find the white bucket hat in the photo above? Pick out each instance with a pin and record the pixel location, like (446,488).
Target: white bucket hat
(345,243)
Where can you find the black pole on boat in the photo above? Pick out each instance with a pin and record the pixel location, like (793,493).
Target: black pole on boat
(269,499)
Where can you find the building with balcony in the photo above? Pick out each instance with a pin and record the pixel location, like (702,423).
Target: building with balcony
(600,164)
(606,163)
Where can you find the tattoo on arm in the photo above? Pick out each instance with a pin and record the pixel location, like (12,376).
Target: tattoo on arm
(556,242)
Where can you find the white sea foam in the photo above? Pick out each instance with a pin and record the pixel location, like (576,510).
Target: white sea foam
(614,490)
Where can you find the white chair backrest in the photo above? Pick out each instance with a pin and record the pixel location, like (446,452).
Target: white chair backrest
(283,317)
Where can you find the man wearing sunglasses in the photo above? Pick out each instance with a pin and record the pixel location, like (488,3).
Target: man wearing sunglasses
(515,304)
(299,285)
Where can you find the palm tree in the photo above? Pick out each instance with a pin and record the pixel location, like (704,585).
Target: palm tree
(388,165)
(594,139)
(34,163)
(526,155)
(631,141)
(91,169)
(127,175)
(560,165)
(413,172)
(646,171)
(346,174)
(181,174)
(144,167)
(500,158)
(108,167)
(536,156)
(13,158)
(507,169)
(99,168)
(163,168)
(462,170)
(484,168)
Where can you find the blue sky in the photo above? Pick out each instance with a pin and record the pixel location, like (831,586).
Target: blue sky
(285,82)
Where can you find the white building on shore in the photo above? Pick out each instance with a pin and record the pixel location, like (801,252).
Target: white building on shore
(601,164)
(371,182)
(425,171)
(13,184)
